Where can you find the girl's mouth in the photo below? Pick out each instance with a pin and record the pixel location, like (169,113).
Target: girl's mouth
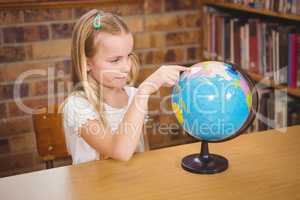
(121,77)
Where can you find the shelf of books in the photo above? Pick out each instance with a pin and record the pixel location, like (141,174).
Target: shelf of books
(267,48)
(269,51)
(284,9)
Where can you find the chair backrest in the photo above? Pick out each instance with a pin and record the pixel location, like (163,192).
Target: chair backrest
(49,134)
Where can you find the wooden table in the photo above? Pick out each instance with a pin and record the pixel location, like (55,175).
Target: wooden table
(264,165)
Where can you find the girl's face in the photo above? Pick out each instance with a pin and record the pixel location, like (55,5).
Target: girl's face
(111,64)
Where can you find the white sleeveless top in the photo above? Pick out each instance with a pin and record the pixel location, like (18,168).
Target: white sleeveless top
(77,111)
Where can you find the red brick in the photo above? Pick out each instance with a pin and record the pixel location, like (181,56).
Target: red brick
(10,72)
(152,57)
(15,126)
(33,104)
(149,40)
(193,20)
(21,143)
(25,34)
(106,8)
(130,8)
(22,160)
(127,9)
(164,22)
(2,110)
(51,49)
(158,57)
(12,54)
(154,105)
(28,52)
(63,30)
(7,91)
(151,6)
(174,55)
(4,146)
(144,73)
(135,24)
(180,38)
(1,37)
(39,88)
(5,163)
(80,11)
(193,53)
(174,5)
(51,14)
(9,17)
(122,9)
(63,67)
(36,33)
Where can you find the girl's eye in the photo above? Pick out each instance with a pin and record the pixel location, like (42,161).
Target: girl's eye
(118,59)
(115,60)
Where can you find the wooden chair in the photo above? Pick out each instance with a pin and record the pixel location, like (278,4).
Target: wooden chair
(49,134)
(50,137)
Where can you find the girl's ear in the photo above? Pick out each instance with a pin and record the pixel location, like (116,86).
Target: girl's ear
(88,65)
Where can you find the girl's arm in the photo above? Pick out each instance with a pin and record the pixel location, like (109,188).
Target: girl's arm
(121,144)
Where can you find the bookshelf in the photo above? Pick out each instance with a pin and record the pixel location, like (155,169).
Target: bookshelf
(289,18)
(247,9)
(261,79)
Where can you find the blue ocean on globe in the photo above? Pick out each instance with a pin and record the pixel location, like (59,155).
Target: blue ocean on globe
(212,101)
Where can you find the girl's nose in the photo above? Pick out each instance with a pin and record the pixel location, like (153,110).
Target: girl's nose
(126,66)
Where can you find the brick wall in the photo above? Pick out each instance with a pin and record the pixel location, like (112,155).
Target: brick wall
(165,31)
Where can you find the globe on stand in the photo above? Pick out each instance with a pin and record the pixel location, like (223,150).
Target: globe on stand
(213,102)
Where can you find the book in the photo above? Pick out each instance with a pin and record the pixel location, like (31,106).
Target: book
(294,112)
(262,47)
(280,109)
(281,6)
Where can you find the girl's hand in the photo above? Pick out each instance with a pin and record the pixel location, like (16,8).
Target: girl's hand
(166,75)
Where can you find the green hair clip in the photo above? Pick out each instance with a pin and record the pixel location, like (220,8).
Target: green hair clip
(97,22)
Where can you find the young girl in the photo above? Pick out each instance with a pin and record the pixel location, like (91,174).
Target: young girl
(104,115)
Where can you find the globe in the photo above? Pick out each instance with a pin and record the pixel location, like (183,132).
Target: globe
(213,102)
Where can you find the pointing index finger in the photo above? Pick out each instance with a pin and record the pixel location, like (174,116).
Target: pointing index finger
(181,68)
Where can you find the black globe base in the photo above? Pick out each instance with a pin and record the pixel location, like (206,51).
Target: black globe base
(211,165)
(204,163)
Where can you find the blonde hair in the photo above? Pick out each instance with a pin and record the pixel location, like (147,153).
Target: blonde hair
(83,47)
